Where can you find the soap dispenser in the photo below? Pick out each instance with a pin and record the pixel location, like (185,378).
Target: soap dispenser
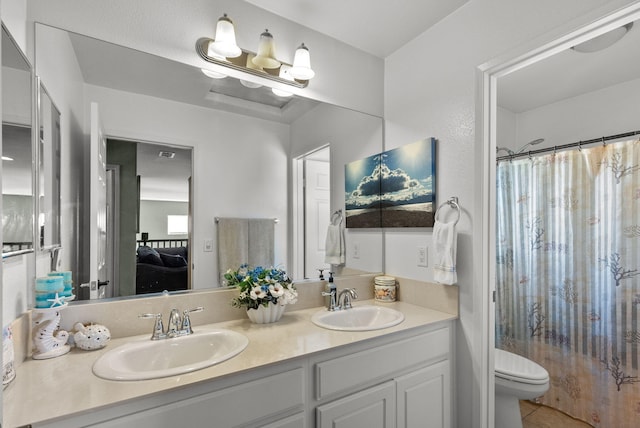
(331,293)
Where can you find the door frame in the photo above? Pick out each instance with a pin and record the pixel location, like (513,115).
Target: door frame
(487,76)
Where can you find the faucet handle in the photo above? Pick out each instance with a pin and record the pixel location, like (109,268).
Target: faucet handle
(158,327)
(186,320)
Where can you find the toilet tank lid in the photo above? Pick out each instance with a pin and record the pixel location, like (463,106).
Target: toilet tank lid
(512,365)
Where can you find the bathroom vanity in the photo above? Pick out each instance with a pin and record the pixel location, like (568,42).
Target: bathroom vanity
(292,374)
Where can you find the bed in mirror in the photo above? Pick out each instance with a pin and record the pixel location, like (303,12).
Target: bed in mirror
(247,147)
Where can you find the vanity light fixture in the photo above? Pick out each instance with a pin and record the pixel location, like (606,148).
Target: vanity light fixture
(221,51)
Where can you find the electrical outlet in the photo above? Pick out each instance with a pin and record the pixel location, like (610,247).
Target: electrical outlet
(356,251)
(422,256)
(208,245)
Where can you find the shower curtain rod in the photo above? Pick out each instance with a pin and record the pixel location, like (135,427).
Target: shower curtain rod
(578,144)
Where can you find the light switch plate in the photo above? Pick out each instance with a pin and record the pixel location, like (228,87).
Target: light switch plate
(208,245)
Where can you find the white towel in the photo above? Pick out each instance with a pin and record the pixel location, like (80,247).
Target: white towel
(445,239)
(334,245)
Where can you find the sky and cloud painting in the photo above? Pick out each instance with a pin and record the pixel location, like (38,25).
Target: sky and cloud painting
(392,189)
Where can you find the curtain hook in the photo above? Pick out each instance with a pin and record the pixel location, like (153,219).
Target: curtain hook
(554,150)
(604,143)
(580,146)
(529,153)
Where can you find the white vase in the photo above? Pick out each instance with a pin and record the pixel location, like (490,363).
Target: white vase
(265,315)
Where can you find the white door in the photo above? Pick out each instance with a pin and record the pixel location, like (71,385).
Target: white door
(317,215)
(98,211)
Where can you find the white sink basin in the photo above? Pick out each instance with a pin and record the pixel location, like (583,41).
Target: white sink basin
(358,318)
(151,359)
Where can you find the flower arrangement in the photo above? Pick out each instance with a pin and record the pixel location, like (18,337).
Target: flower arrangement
(259,286)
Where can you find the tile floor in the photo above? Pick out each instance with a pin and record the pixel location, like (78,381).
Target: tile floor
(538,416)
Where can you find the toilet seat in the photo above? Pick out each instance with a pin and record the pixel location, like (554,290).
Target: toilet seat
(516,368)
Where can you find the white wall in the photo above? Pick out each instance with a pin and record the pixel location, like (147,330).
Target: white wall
(609,111)
(430,90)
(253,184)
(344,75)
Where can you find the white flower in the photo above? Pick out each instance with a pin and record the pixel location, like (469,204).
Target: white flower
(259,293)
(253,294)
(276,289)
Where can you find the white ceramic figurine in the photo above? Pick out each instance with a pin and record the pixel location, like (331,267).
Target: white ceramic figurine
(90,337)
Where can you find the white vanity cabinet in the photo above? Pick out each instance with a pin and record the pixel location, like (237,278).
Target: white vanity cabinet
(394,380)
(405,383)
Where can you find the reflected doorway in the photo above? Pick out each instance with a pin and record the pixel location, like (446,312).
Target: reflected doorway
(313,185)
(148,214)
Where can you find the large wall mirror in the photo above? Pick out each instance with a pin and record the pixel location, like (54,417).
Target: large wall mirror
(17,150)
(247,147)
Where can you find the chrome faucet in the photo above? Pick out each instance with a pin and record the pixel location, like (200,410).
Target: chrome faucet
(345,296)
(178,325)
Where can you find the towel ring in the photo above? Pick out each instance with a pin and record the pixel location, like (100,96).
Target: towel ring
(453,203)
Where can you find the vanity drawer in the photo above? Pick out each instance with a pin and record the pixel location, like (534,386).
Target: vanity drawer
(247,404)
(380,363)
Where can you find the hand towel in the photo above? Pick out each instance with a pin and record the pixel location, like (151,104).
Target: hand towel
(334,245)
(445,239)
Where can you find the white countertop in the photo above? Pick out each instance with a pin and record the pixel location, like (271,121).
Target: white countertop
(46,389)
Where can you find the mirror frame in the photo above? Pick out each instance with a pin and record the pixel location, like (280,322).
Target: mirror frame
(34,139)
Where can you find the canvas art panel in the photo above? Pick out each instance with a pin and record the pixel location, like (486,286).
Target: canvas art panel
(395,188)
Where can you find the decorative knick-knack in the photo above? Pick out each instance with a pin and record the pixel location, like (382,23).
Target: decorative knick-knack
(48,340)
(91,337)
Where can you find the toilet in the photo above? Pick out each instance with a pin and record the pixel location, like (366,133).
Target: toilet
(516,378)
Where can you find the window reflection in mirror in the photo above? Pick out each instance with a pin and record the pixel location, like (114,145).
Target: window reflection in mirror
(48,172)
(17,152)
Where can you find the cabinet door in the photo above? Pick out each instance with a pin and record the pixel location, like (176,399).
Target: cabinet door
(371,408)
(424,398)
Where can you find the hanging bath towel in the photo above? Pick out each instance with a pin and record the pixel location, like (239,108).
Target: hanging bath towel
(334,245)
(445,239)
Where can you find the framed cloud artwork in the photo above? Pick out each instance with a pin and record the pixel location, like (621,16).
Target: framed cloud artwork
(395,188)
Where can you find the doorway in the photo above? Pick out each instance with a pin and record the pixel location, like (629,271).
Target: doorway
(148,217)
(312,212)
(490,134)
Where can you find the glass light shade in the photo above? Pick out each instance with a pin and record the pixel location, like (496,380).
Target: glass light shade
(224,43)
(266,52)
(603,41)
(213,74)
(248,84)
(285,73)
(251,65)
(302,64)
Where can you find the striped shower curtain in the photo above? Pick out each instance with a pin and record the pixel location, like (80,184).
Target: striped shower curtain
(568,276)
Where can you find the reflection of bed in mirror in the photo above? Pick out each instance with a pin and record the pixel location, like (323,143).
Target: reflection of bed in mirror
(161,264)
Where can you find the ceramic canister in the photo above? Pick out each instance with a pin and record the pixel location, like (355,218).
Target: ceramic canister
(385,288)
